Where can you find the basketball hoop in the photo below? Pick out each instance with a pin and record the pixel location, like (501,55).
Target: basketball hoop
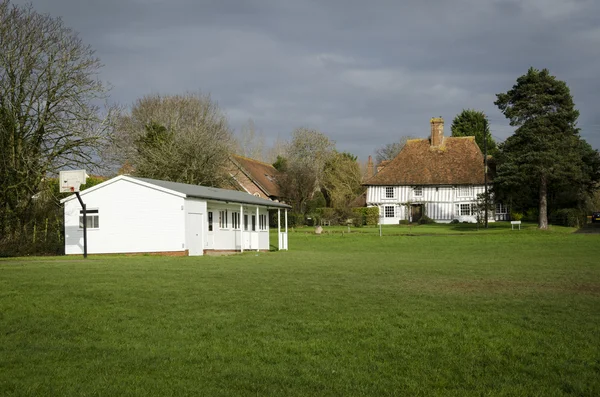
(71,181)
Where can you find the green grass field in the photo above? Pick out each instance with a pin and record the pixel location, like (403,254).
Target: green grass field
(445,311)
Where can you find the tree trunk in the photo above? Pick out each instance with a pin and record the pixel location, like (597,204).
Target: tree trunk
(543,209)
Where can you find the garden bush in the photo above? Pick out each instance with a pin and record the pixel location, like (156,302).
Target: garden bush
(571,217)
(516,216)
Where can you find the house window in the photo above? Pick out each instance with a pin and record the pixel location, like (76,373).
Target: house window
(92,219)
(253,223)
(464,191)
(235,220)
(389,211)
(223,219)
(464,209)
(389,192)
(501,209)
(210,221)
(262,222)
(418,191)
(246,222)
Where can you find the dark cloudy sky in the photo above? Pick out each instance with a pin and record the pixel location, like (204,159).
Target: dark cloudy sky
(363,72)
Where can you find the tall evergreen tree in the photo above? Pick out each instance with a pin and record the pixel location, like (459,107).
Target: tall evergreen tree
(471,122)
(546,149)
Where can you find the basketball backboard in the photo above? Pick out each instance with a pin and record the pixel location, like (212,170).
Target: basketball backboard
(71,180)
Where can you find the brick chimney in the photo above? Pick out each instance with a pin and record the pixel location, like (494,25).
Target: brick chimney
(370,169)
(437,131)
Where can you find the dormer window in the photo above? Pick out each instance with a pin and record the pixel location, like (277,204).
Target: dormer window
(418,191)
(389,192)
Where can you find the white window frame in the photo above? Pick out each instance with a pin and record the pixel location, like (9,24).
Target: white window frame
(501,209)
(389,192)
(464,191)
(418,191)
(393,211)
(262,222)
(235,220)
(223,220)
(92,216)
(465,209)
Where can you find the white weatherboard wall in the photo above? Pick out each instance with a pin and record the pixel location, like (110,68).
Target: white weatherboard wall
(439,201)
(132,218)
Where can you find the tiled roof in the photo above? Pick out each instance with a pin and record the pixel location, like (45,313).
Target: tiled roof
(458,161)
(265,175)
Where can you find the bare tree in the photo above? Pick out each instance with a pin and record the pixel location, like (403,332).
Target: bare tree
(250,142)
(181,138)
(390,151)
(277,150)
(49,119)
(306,154)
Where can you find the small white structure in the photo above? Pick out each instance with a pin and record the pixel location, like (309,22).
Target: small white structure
(439,177)
(138,215)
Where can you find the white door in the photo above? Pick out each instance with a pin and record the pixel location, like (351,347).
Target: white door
(210,235)
(195,241)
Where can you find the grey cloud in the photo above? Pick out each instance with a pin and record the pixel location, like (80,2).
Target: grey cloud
(363,72)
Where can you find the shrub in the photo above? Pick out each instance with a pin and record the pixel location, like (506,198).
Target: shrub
(341,215)
(571,217)
(531,215)
(366,215)
(425,220)
(327,214)
(295,219)
(455,221)
(404,221)
(371,216)
(358,217)
(516,216)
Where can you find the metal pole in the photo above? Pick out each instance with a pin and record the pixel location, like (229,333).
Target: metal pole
(485,170)
(84,207)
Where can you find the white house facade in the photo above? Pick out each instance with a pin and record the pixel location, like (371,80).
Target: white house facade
(440,203)
(440,177)
(138,215)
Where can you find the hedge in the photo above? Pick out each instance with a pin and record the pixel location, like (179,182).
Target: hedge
(368,215)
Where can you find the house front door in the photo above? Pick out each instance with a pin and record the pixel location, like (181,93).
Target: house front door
(416,212)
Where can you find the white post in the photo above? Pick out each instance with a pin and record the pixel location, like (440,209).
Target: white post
(278,229)
(241,223)
(286,231)
(257,229)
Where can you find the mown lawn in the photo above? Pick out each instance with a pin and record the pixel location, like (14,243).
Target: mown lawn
(468,314)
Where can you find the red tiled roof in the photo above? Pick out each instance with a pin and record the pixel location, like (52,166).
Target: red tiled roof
(458,161)
(265,175)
